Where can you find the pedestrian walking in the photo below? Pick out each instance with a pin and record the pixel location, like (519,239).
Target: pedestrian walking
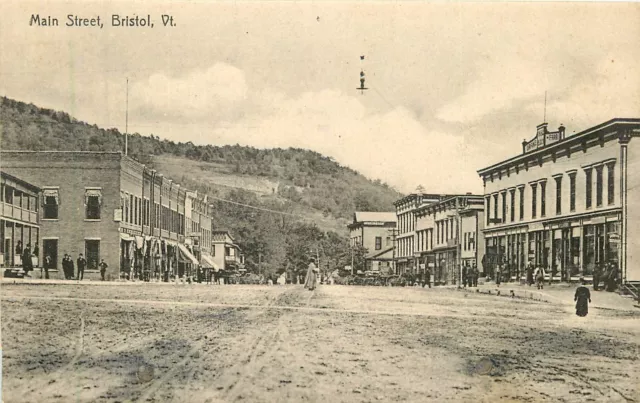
(48,264)
(597,272)
(311,279)
(19,249)
(582,299)
(427,276)
(498,275)
(530,270)
(475,275)
(27,264)
(611,282)
(82,264)
(464,276)
(65,266)
(103,268)
(539,276)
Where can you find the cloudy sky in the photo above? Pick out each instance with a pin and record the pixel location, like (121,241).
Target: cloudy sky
(453,87)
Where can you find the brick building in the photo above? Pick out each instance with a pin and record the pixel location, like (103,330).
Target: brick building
(374,232)
(108,206)
(567,203)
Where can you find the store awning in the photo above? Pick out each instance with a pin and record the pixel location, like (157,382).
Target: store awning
(186,256)
(208,263)
(126,237)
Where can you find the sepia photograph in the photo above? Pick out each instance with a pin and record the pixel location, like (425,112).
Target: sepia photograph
(318,201)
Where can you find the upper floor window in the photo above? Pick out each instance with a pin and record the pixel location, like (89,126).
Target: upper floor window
(513,205)
(488,207)
(534,200)
(588,174)
(611,185)
(495,206)
(51,201)
(378,242)
(504,207)
(543,199)
(572,192)
(521,203)
(599,186)
(558,195)
(92,203)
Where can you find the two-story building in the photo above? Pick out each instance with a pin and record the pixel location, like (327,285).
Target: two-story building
(108,206)
(225,253)
(406,254)
(566,203)
(19,223)
(448,235)
(374,231)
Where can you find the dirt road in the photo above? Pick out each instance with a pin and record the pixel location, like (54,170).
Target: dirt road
(201,343)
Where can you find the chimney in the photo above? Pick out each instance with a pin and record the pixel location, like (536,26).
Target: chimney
(561,129)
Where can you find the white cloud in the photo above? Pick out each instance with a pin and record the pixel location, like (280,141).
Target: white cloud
(498,86)
(393,146)
(197,94)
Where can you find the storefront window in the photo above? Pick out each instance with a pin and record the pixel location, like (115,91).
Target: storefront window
(589,249)
(575,252)
(613,241)
(557,264)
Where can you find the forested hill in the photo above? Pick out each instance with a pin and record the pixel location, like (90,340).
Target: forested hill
(299,182)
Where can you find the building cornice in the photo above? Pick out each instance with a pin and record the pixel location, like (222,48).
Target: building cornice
(618,127)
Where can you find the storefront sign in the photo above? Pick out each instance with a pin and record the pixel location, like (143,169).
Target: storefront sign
(117,215)
(130,231)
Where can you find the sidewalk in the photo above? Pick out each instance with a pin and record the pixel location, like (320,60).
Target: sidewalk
(561,293)
(39,281)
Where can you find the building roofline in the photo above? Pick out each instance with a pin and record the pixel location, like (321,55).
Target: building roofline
(471,197)
(560,144)
(61,152)
(413,195)
(20,181)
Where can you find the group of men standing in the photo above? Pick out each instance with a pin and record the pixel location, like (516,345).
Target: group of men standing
(470,276)
(68,267)
(607,274)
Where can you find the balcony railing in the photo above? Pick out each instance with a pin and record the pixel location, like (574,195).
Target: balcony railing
(18,213)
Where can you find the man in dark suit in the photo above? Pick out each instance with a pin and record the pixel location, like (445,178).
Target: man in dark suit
(82,263)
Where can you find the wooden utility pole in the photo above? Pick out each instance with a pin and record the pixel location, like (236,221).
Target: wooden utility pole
(126,123)
(394,234)
(351,259)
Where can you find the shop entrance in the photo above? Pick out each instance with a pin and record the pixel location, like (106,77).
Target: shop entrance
(50,248)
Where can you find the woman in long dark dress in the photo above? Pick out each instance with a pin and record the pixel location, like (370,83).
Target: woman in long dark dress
(582,298)
(310,281)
